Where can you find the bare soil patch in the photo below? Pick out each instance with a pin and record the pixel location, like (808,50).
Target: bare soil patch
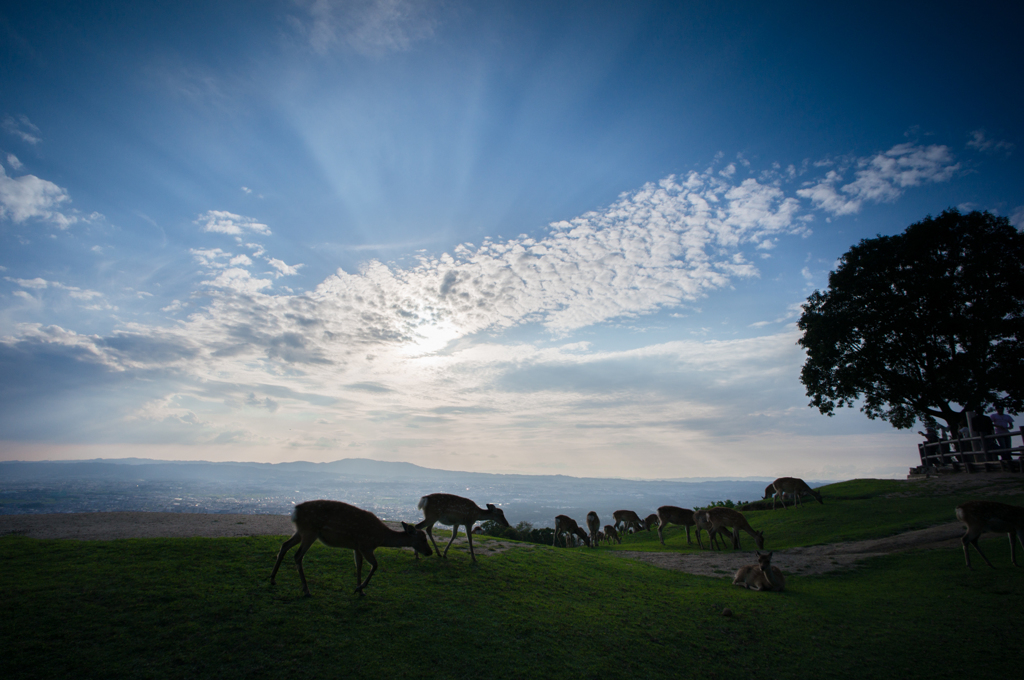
(816,559)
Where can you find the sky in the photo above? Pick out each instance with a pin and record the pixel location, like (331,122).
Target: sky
(513,237)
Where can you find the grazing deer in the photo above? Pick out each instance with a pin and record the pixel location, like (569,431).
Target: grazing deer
(454,511)
(600,537)
(670,514)
(340,525)
(611,533)
(760,576)
(567,525)
(594,525)
(628,519)
(703,523)
(983,516)
(651,521)
(727,517)
(792,485)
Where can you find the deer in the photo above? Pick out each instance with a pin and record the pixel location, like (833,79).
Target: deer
(594,525)
(727,517)
(600,537)
(670,514)
(792,485)
(652,521)
(454,511)
(567,525)
(983,516)
(760,576)
(611,533)
(340,525)
(703,523)
(628,519)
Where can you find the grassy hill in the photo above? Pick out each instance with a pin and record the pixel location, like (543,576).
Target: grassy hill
(155,608)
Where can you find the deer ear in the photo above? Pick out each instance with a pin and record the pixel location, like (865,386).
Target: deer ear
(408,528)
(490,506)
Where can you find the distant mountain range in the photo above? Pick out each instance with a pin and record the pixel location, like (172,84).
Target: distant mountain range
(390,489)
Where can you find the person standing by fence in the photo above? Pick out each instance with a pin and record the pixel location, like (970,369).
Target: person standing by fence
(1002,423)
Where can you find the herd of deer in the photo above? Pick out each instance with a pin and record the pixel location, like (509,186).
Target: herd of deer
(341,525)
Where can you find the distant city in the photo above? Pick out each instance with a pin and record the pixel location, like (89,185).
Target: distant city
(390,490)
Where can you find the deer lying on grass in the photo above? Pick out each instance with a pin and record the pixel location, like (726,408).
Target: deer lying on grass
(628,519)
(727,517)
(703,523)
(567,525)
(340,525)
(794,486)
(760,576)
(454,511)
(670,514)
(594,525)
(984,516)
(610,533)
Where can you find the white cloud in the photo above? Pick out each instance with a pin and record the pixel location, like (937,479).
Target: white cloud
(370,27)
(238,280)
(284,269)
(35,283)
(980,141)
(209,257)
(23,128)
(223,222)
(13,161)
(29,197)
(240,260)
(1017,217)
(881,178)
(40,284)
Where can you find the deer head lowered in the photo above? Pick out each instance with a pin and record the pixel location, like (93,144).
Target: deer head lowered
(340,525)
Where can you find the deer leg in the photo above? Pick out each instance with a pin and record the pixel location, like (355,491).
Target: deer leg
(469,535)
(285,547)
(688,541)
(455,532)
(306,543)
(373,567)
(1013,547)
(430,533)
(661,536)
(973,540)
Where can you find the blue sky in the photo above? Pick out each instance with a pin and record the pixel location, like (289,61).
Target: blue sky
(506,237)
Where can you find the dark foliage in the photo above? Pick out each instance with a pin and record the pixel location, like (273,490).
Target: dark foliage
(922,325)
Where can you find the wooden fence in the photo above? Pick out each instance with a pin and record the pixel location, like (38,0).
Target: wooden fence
(989,453)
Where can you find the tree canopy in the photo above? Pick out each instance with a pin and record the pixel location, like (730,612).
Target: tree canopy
(923,325)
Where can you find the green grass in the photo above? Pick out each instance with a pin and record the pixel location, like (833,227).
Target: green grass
(174,608)
(853,511)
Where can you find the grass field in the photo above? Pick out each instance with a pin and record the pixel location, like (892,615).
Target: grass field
(178,608)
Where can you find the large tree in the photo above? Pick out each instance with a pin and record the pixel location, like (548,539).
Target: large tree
(923,325)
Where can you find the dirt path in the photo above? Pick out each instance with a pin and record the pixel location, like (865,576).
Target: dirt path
(816,559)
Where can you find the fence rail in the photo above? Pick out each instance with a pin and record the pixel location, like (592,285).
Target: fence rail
(988,453)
